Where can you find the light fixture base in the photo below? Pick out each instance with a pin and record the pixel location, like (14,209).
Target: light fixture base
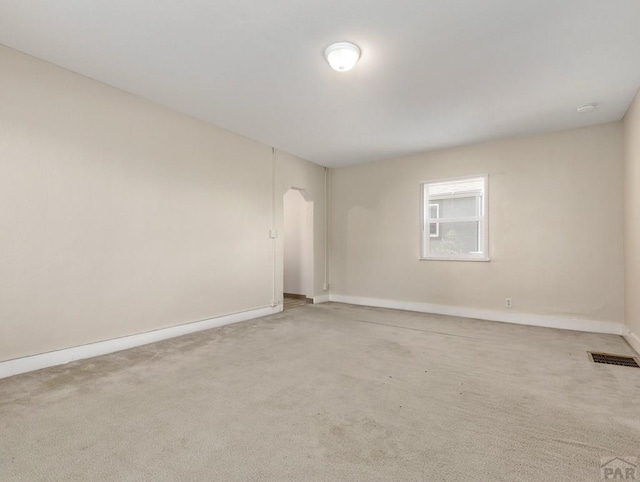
(586,108)
(342,56)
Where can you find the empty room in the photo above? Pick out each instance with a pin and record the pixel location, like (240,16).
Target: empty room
(319,240)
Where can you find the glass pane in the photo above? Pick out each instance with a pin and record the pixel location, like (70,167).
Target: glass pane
(458,207)
(434,230)
(454,238)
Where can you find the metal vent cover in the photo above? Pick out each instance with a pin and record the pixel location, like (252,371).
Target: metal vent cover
(613,359)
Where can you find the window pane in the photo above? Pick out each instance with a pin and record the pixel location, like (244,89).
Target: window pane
(455,238)
(458,207)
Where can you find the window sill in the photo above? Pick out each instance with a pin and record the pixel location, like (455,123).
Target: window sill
(454,259)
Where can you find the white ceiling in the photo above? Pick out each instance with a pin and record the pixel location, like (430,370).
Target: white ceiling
(433,73)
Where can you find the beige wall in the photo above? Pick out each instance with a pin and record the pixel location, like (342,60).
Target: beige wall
(556,227)
(118,216)
(632,220)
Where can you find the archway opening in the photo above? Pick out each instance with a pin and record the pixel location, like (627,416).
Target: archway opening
(298,249)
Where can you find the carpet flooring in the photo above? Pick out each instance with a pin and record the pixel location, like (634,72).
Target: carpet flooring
(329,392)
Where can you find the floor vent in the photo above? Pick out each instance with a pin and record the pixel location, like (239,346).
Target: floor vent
(611,359)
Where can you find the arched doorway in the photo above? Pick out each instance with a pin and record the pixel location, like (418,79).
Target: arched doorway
(298,249)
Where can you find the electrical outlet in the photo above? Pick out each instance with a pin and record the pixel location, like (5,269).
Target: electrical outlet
(508,303)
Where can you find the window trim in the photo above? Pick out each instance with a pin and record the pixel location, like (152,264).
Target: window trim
(484,222)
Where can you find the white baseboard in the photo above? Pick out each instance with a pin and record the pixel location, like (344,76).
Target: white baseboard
(633,340)
(549,321)
(320,299)
(60,357)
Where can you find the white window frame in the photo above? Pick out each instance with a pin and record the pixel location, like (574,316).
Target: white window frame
(483,220)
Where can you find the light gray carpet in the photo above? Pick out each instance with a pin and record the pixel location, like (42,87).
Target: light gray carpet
(329,392)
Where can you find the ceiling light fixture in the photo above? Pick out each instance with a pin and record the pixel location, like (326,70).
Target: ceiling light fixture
(342,56)
(586,108)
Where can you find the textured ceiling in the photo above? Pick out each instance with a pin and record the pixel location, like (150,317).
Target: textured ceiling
(433,73)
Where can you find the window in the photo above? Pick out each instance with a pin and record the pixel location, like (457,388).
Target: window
(454,219)
(434,213)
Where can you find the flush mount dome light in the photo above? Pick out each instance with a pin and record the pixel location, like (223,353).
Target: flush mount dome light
(586,108)
(342,56)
